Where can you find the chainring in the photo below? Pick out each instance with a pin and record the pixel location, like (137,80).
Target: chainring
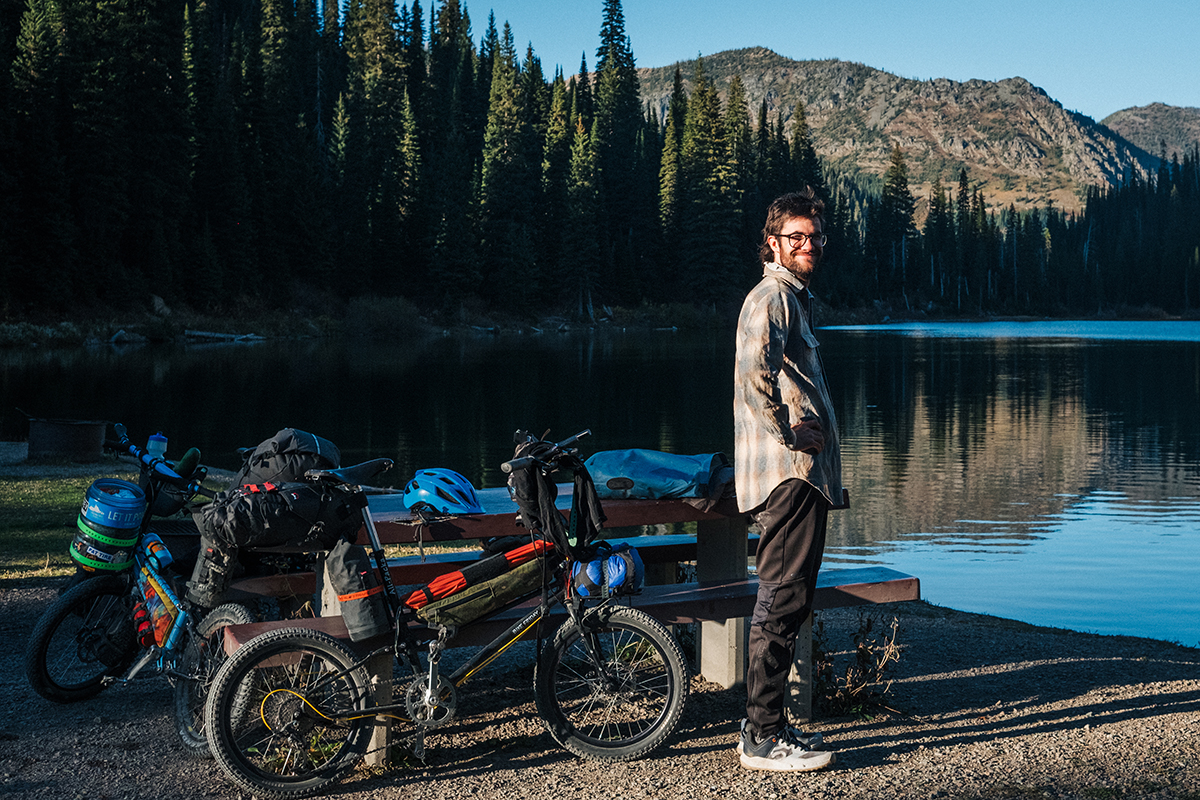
(430,712)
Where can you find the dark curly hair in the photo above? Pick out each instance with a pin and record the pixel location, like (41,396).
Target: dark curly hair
(803,203)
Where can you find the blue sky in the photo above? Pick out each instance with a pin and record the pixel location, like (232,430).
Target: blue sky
(1093,56)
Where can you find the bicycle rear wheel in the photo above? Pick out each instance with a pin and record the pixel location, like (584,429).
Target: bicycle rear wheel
(625,705)
(286,715)
(82,637)
(202,656)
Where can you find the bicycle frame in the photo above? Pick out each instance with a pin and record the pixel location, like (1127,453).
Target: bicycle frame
(405,640)
(147,571)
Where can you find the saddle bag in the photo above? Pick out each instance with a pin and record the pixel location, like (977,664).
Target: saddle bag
(301,515)
(359,591)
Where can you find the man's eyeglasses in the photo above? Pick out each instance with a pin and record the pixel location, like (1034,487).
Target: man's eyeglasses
(798,239)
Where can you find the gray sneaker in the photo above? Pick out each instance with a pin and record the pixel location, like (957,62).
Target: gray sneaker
(809,741)
(780,754)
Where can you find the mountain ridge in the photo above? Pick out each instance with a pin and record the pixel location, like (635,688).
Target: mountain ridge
(1158,128)
(1019,145)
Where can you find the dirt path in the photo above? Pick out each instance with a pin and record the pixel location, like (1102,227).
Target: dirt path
(993,709)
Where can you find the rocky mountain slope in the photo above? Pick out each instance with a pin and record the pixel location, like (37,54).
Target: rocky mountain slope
(1017,143)
(1157,127)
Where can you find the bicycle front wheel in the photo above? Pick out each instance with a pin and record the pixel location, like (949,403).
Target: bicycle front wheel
(202,656)
(286,714)
(614,687)
(84,636)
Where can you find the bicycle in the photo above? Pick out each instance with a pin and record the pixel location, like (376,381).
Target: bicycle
(88,639)
(292,710)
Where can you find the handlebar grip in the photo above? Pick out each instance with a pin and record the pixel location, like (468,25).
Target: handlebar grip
(524,462)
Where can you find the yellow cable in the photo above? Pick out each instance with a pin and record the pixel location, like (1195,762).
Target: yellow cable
(262,715)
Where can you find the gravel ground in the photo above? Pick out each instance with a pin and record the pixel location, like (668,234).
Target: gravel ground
(990,708)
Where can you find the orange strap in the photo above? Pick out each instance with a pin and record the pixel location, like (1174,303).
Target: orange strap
(359,595)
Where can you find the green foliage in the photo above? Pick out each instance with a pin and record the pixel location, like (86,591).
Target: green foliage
(38,522)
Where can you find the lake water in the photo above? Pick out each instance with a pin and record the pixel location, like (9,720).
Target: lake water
(1045,471)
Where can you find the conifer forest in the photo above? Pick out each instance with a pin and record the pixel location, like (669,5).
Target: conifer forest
(267,150)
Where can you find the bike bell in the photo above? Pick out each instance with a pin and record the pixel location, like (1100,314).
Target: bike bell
(442,490)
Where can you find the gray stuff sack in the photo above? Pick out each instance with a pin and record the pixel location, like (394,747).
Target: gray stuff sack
(359,591)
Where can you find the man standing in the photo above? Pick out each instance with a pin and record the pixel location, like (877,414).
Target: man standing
(787,469)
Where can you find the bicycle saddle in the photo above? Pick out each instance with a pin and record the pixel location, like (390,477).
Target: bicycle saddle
(350,476)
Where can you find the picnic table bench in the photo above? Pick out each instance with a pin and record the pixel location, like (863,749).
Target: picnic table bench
(720,600)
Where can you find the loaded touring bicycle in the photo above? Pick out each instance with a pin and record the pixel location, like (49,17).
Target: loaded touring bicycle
(292,710)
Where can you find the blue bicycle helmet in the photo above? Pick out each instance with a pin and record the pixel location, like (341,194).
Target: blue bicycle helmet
(442,490)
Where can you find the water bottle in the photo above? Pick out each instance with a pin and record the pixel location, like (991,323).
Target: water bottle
(157,445)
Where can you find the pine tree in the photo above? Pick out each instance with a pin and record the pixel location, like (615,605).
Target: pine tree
(40,272)
(939,239)
(584,102)
(891,229)
(582,235)
(508,201)
(709,215)
(615,128)
(449,178)
(668,182)
(740,147)
(806,166)
(554,212)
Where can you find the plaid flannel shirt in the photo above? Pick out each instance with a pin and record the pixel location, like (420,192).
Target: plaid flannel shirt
(778,381)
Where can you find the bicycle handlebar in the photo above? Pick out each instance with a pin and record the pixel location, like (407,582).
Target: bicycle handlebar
(525,462)
(158,468)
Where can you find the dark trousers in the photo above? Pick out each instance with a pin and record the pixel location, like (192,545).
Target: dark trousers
(790,546)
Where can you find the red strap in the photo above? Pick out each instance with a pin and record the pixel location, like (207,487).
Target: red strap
(342,598)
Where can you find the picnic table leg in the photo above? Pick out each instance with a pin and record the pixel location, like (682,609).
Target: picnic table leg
(721,554)
(799,688)
(380,667)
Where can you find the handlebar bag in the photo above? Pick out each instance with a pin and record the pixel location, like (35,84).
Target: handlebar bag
(534,494)
(359,591)
(286,456)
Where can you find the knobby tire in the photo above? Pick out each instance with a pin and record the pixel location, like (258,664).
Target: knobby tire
(202,656)
(279,724)
(628,707)
(82,637)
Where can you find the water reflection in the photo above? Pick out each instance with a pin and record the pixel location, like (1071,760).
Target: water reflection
(1008,465)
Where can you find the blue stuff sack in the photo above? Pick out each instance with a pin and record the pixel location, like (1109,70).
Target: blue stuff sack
(625,474)
(617,571)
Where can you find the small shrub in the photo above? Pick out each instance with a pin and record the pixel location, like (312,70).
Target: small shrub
(860,688)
